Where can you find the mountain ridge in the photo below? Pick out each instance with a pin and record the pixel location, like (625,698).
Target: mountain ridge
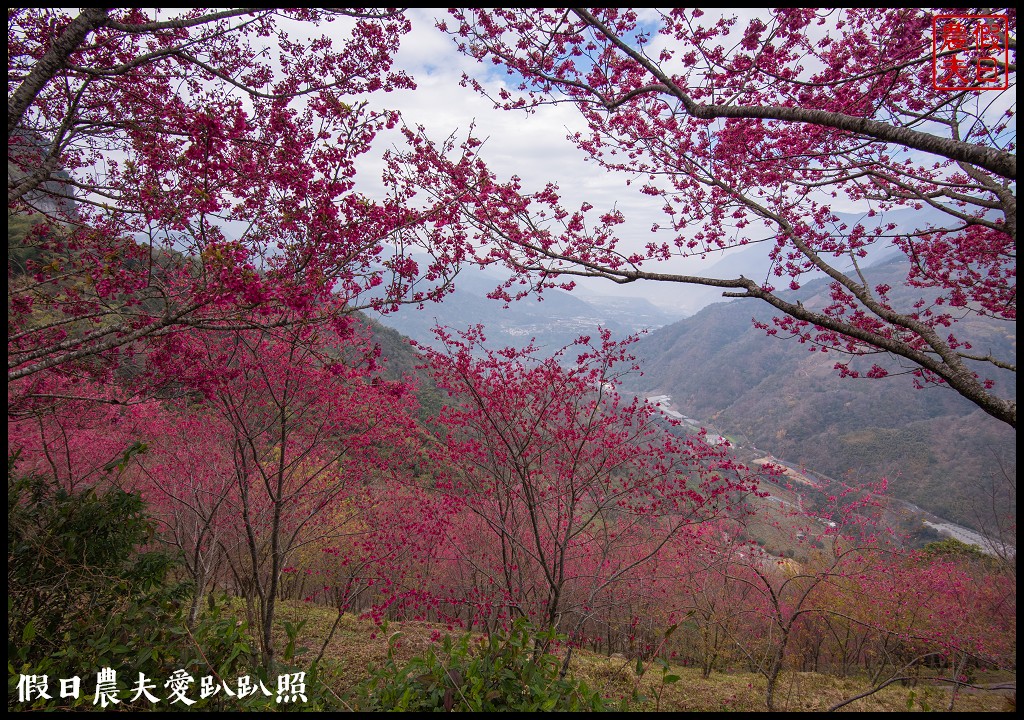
(553,319)
(937,449)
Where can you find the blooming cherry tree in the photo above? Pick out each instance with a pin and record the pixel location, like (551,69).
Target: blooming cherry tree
(577,487)
(303,426)
(197,169)
(754,134)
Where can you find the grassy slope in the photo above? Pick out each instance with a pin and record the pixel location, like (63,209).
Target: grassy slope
(358,645)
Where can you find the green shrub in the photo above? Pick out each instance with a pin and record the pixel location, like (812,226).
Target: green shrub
(82,596)
(74,566)
(501,673)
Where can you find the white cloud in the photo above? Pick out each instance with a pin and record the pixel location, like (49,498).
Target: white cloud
(534,147)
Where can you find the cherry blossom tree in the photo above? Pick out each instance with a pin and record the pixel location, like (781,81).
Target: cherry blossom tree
(577,488)
(305,427)
(756,133)
(196,169)
(77,432)
(853,597)
(785,597)
(187,478)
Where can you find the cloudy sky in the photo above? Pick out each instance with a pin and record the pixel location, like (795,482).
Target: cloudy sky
(534,147)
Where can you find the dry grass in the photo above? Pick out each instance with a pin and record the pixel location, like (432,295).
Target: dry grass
(358,646)
(745,692)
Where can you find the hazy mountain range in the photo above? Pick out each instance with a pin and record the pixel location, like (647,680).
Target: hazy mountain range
(554,319)
(935,448)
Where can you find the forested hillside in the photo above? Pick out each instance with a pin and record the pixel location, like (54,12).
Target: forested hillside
(935,448)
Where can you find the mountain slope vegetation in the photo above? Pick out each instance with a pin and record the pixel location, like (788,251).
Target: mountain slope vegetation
(936,449)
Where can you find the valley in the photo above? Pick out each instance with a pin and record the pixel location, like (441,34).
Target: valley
(799,489)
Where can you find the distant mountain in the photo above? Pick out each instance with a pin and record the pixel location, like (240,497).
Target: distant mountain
(937,449)
(55,197)
(555,318)
(632,313)
(753,260)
